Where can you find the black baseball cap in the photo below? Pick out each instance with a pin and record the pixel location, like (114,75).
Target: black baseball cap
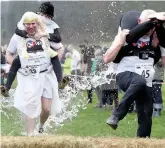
(47,8)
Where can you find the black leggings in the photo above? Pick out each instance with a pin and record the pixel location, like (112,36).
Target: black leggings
(136,90)
(12,72)
(16,65)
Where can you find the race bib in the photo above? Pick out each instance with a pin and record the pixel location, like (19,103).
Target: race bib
(35,63)
(34,70)
(147,71)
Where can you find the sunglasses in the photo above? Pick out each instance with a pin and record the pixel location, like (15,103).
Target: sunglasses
(29,24)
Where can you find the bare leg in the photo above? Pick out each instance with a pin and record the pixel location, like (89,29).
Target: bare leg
(30,125)
(46,105)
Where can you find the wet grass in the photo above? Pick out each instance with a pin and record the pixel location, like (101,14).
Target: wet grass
(92,122)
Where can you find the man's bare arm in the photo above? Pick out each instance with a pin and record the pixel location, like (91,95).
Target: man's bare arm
(118,42)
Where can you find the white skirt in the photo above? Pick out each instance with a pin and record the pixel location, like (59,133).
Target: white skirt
(29,91)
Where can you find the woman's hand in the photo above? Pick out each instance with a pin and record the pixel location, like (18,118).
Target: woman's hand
(118,42)
(39,35)
(121,37)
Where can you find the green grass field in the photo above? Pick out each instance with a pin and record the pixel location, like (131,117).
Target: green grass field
(91,122)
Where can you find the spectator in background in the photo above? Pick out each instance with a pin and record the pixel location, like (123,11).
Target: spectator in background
(3,60)
(87,53)
(75,67)
(64,53)
(3,76)
(66,70)
(98,57)
(67,65)
(89,56)
(157,93)
(3,53)
(3,73)
(75,62)
(109,89)
(83,59)
(4,66)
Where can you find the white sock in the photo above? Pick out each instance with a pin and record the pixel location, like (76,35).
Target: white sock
(41,125)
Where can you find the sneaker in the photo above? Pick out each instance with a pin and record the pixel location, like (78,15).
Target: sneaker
(113,122)
(41,130)
(64,83)
(4,91)
(89,101)
(104,107)
(98,105)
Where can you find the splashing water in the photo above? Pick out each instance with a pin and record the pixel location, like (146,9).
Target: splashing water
(9,115)
(73,99)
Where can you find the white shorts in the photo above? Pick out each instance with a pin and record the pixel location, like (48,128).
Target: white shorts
(47,91)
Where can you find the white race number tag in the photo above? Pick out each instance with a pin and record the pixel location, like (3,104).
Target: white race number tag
(147,71)
(34,71)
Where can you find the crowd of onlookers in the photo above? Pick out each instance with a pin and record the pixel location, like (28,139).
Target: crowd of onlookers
(87,60)
(4,66)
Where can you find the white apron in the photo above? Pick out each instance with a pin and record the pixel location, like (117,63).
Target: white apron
(31,83)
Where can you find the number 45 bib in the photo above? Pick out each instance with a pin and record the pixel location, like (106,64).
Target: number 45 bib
(147,71)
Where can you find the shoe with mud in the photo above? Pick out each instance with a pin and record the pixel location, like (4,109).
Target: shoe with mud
(41,130)
(64,83)
(4,91)
(113,122)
